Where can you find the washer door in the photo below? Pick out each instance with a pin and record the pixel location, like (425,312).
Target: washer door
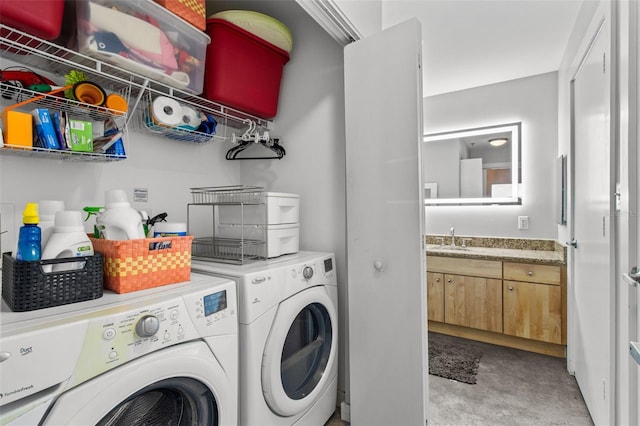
(180,385)
(300,351)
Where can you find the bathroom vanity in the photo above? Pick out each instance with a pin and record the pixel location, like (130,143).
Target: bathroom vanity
(504,291)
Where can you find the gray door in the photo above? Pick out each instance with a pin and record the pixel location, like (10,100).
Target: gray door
(593,289)
(386,261)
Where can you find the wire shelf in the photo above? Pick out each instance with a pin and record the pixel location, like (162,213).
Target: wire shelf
(229,250)
(21,151)
(145,123)
(31,51)
(60,103)
(238,194)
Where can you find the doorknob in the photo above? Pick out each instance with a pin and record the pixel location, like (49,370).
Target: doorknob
(573,243)
(378,265)
(634,348)
(633,277)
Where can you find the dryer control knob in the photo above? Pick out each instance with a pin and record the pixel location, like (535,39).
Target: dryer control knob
(147,326)
(307,272)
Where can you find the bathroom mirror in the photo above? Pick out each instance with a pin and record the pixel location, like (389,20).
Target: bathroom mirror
(472,166)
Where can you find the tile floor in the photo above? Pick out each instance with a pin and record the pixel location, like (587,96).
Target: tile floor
(514,388)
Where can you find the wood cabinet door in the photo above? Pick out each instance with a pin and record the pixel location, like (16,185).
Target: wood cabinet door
(435,296)
(473,302)
(533,311)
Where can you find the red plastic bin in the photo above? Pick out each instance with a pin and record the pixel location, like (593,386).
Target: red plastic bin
(41,18)
(242,70)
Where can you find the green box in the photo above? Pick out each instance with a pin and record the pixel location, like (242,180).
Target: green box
(79,135)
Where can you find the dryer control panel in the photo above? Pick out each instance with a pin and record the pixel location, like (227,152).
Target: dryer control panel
(122,334)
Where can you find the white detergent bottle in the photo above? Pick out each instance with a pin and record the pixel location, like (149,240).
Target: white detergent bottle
(119,221)
(48,209)
(68,239)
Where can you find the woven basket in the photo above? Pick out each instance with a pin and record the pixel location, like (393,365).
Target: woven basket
(27,287)
(132,265)
(192,11)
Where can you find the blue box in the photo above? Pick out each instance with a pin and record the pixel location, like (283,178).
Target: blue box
(44,128)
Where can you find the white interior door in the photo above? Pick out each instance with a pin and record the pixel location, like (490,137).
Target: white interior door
(593,287)
(386,261)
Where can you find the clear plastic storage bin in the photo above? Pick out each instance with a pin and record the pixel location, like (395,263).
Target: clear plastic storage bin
(145,38)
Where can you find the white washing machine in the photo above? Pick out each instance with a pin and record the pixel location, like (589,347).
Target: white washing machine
(288,338)
(167,355)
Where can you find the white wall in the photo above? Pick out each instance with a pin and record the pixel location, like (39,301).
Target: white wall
(366,16)
(167,168)
(530,100)
(310,123)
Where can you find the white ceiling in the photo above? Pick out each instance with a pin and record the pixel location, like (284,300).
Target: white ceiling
(470,43)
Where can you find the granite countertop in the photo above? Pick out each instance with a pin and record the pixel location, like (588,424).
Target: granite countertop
(548,252)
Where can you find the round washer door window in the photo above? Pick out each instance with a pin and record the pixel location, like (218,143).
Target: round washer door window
(172,402)
(300,352)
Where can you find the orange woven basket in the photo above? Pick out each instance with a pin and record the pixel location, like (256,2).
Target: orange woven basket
(132,265)
(192,11)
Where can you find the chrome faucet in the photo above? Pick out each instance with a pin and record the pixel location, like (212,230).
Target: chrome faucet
(453,237)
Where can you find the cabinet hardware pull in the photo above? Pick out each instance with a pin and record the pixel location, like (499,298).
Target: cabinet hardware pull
(530,273)
(437,280)
(449,280)
(510,288)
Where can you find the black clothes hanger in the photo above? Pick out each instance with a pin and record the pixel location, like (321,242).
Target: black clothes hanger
(272,144)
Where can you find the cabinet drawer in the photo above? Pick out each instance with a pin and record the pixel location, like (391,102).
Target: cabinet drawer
(547,274)
(461,266)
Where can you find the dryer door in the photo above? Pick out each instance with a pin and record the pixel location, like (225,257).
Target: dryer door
(180,385)
(300,355)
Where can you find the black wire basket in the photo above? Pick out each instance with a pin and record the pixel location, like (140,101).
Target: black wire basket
(31,285)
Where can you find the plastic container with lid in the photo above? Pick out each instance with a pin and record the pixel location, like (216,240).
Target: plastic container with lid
(119,221)
(67,240)
(42,18)
(252,84)
(170,229)
(143,37)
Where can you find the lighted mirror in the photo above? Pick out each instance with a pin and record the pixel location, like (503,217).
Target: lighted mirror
(472,166)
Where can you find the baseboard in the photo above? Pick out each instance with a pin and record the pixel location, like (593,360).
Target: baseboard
(345,412)
(545,348)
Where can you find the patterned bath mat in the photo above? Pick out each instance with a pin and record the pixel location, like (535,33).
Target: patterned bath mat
(452,360)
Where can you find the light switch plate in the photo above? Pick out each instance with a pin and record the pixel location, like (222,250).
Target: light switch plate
(523,222)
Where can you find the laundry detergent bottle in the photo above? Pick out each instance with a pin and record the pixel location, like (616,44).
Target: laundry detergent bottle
(119,221)
(30,235)
(68,239)
(47,210)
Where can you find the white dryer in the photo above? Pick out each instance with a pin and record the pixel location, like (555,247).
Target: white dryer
(167,355)
(288,338)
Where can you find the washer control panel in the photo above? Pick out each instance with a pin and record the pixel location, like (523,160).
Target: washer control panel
(314,273)
(128,332)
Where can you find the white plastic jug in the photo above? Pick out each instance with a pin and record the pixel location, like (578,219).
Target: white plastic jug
(119,221)
(68,239)
(48,209)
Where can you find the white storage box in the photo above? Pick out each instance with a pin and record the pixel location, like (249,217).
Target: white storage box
(281,208)
(145,38)
(281,239)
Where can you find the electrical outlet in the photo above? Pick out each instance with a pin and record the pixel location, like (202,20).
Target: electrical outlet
(523,222)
